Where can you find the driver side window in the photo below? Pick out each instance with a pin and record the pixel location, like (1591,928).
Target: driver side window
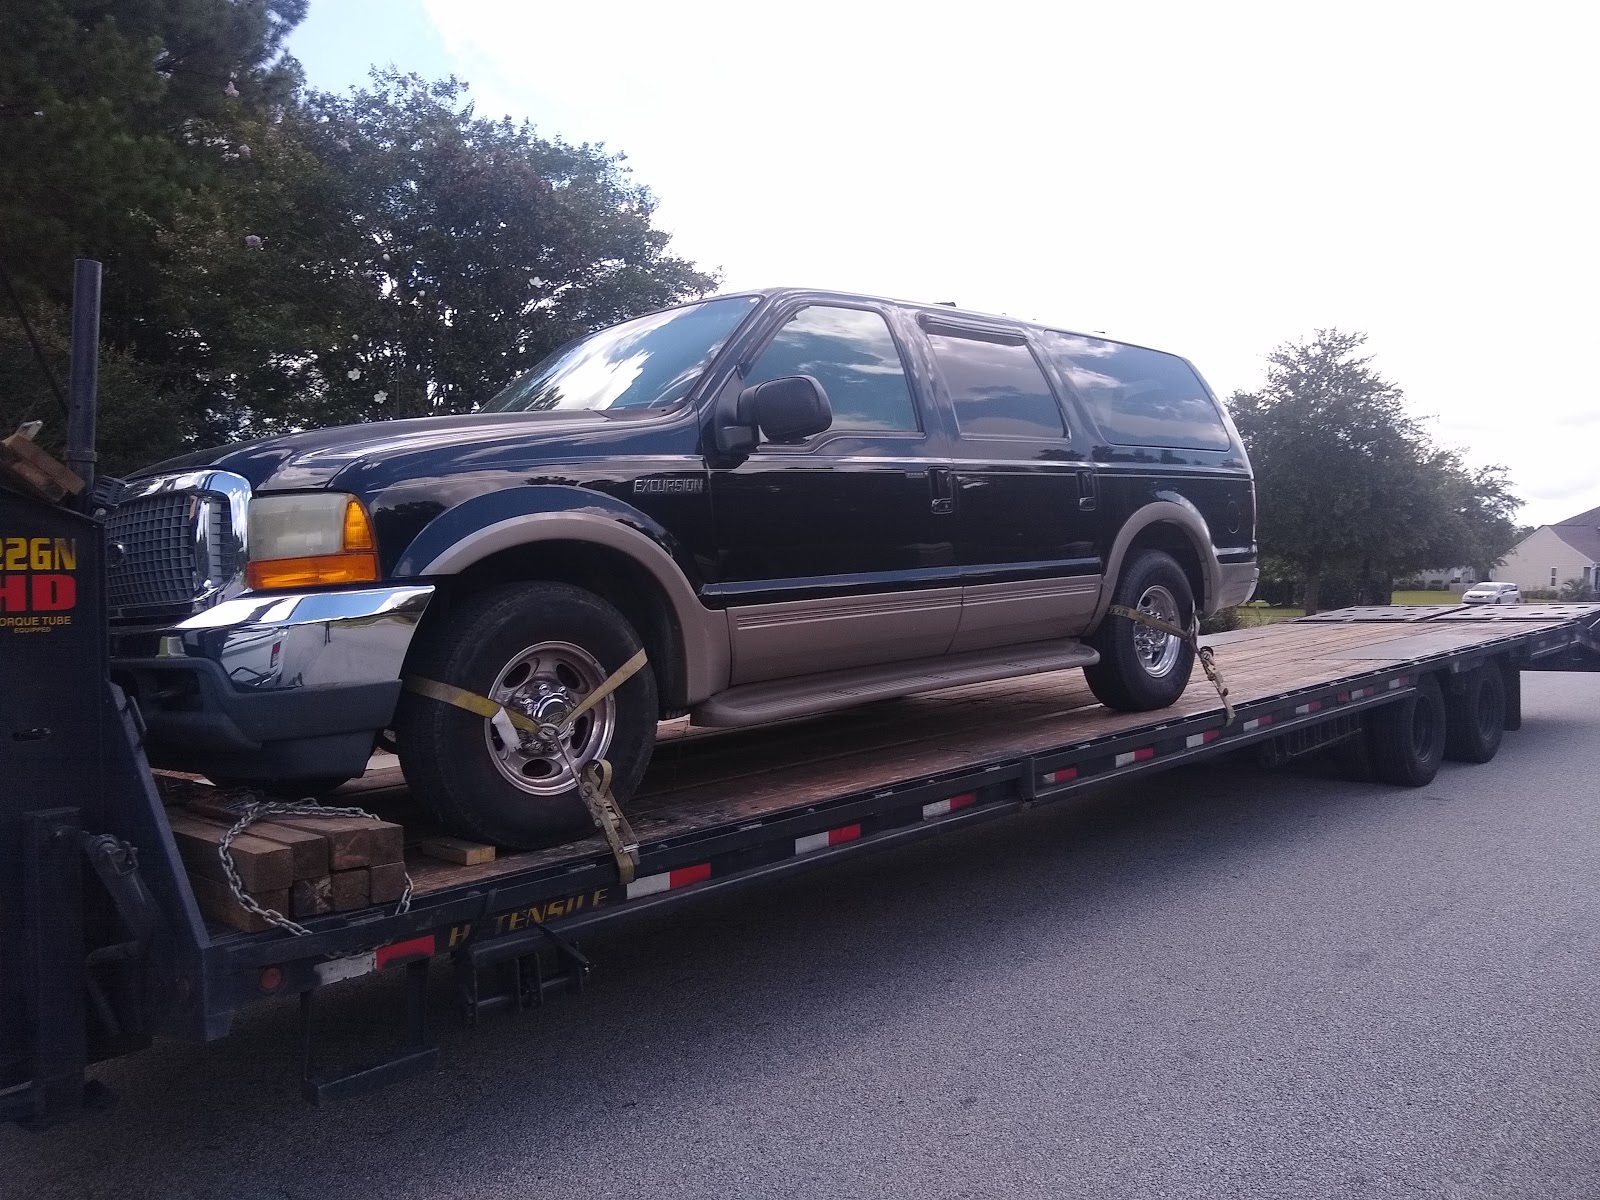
(851,352)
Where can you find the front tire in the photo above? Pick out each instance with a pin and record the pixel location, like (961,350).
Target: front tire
(1141,668)
(538,648)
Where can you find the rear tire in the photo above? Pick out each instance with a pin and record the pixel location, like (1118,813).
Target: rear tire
(538,647)
(1475,716)
(1141,669)
(1405,740)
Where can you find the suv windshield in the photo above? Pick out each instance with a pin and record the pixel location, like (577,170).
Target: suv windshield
(648,362)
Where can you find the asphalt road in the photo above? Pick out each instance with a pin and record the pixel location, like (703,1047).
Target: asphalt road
(1223,982)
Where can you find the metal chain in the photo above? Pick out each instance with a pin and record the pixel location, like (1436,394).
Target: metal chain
(259,810)
(1206,655)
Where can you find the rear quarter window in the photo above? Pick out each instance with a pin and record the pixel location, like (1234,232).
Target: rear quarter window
(1139,397)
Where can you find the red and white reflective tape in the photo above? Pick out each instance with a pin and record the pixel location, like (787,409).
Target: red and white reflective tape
(941,808)
(355,965)
(1257,723)
(1143,754)
(1064,775)
(1200,739)
(813,842)
(1401,682)
(1357,694)
(669,881)
(1302,710)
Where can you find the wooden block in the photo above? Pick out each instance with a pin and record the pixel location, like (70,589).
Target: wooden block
(263,866)
(457,850)
(311,897)
(310,850)
(217,903)
(353,841)
(386,882)
(29,469)
(350,889)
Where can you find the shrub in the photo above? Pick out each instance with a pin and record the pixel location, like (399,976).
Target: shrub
(1221,621)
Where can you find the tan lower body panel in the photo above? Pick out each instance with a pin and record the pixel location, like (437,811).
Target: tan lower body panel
(1034,610)
(808,695)
(804,637)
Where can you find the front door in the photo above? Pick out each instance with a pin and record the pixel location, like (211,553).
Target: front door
(839,551)
(1024,498)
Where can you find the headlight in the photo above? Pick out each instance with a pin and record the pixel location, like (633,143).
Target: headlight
(309,540)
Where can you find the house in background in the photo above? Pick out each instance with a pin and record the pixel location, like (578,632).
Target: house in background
(1553,554)
(1457,579)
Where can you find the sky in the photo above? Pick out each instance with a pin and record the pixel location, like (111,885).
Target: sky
(1211,179)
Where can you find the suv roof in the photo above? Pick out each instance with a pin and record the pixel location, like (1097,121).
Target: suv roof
(936,309)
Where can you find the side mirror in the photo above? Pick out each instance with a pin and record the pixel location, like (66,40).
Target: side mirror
(788,409)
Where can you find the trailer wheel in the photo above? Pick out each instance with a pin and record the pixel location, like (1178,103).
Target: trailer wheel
(537,648)
(1405,740)
(1475,716)
(1142,668)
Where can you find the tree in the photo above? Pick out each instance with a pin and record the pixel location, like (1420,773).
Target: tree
(412,258)
(112,114)
(278,259)
(1348,484)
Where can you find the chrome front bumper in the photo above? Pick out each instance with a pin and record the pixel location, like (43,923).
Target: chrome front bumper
(273,685)
(316,639)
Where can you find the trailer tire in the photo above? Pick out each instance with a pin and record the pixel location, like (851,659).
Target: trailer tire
(1475,715)
(539,648)
(1405,739)
(1139,668)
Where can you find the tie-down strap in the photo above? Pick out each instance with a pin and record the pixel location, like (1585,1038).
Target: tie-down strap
(1206,655)
(594,783)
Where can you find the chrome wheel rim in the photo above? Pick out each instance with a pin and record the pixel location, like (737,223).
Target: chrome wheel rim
(1158,652)
(547,682)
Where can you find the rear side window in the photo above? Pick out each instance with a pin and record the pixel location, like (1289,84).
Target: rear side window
(997,387)
(1139,397)
(852,354)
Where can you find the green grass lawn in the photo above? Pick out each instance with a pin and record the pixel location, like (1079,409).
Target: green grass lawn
(1424,598)
(1250,615)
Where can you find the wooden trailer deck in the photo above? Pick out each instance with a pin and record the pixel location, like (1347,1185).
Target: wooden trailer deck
(703,778)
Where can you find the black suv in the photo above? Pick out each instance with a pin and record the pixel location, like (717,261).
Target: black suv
(794,501)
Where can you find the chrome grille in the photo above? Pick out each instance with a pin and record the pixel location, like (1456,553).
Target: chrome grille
(157,536)
(178,545)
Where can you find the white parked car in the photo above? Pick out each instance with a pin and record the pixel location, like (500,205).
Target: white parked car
(1492,593)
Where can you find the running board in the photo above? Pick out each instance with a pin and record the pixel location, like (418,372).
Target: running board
(809,695)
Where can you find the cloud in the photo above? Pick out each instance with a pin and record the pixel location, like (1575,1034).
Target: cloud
(1207,179)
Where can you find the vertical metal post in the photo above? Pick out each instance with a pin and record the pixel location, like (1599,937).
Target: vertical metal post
(85,379)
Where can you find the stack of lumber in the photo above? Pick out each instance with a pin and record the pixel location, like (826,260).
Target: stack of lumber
(27,469)
(302,866)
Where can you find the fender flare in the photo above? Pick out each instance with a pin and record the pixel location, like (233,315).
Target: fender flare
(485,525)
(1168,508)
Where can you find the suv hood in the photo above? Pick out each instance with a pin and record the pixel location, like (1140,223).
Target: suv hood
(312,459)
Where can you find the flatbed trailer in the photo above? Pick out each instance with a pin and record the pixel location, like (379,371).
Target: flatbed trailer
(719,811)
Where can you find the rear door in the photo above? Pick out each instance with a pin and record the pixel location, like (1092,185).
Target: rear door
(840,551)
(1024,495)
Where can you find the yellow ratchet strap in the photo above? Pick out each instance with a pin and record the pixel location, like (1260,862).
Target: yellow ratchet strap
(594,786)
(1206,655)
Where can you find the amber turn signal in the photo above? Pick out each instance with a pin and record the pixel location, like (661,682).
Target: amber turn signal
(318,571)
(357,527)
